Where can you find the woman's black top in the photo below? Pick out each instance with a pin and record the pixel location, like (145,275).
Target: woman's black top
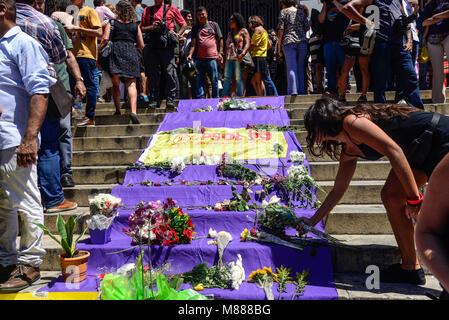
(404,129)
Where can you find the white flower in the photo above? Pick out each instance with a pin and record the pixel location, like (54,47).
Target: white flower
(297,172)
(177,164)
(258,180)
(212,233)
(237,272)
(274,199)
(297,156)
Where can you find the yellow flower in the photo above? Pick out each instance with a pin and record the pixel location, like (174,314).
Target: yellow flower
(244,235)
(199,287)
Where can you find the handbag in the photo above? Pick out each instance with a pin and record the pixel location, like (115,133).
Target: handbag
(60,101)
(350,45)
(104,56)
(423,55)
(418,150)
(247,61)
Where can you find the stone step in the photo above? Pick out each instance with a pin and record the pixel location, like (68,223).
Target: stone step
(105,157)
(379,250)
(110,143)
(99,175)
(366,170)
(80,193)
(117,130)
(50,219)
(365,250)
(359,192)
(358,219)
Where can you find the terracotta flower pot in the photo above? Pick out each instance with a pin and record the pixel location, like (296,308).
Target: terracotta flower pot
(80,262)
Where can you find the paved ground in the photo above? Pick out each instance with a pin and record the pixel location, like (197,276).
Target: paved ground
(349,286)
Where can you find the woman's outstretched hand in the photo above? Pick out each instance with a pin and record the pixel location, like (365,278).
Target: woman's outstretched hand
(299,227)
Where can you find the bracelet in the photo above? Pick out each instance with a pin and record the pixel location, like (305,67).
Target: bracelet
(416,203)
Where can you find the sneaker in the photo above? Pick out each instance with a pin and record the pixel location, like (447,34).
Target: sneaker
(85,122)
(5,272)
(140,97)
(67,181)
(22,277)
(362,98)
(402,101)
(64,206)
(395,274)
(145,98)
(117,113)
(100,100)
(134,118)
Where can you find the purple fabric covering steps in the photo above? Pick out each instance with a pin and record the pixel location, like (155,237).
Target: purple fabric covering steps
(58,285)
(184,257)
(189,105)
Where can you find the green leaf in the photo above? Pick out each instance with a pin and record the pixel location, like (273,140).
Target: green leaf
(46,231)
(61,228)
(79,237)
(70,228)
(67,248)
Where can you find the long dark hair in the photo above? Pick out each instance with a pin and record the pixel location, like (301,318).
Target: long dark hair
(326,116)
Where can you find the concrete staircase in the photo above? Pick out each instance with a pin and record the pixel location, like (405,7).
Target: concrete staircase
(102,153)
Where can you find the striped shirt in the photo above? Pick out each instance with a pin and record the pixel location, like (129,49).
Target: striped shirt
(43,29)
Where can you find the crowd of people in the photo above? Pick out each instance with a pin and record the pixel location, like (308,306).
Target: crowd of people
(157,53)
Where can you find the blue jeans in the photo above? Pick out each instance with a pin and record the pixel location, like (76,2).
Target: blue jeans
(232,67)
(65,145)
(386,55)
(333,56)
(88,69)
(295,59)
(209,67)
(48,164)
(98,73)
(270,88)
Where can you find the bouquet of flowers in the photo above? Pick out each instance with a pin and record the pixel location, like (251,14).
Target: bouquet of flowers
(226,104)
(103,209)
(264,279)
(162,223)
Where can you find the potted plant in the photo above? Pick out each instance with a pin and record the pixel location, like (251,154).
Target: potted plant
(103,210)
(72,259)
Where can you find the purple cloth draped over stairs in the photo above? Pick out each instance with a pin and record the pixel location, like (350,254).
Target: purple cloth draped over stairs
(184,257)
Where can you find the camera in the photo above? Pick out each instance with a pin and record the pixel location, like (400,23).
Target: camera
(401,24)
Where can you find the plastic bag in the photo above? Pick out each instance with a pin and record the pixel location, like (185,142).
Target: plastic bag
(99,222)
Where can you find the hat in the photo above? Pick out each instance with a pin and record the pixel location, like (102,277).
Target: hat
(63,17)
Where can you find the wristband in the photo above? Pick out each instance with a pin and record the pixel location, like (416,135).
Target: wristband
(416,203)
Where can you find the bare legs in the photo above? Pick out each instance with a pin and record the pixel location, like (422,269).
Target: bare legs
(258,85)
(433,222)
(130,85)
(394,200)
(344,75)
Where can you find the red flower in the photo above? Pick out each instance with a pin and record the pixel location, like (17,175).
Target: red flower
(253,232)
(115,205)
(183,181)
(188,233)
(203,183)
(157,184)
(107,203)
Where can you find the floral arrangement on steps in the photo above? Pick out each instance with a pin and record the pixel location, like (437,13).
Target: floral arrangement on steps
(161,223)
(103,210)
(231,104)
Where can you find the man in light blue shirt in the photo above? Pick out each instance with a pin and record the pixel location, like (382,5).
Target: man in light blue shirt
(24,88)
